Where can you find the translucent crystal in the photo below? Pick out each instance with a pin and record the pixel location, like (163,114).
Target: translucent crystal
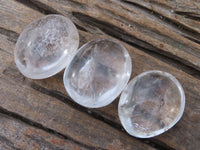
(46,46)
(151,103)
(98,73)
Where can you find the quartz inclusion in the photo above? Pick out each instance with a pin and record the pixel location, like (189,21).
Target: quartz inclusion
(46,46)
(98,73)
(151,104)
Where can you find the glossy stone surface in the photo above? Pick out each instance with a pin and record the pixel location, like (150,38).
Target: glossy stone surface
(151,104)
(46,46)
(98,73)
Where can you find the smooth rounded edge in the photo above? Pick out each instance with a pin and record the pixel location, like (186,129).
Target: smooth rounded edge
(57,68)
(181,108)
(129,71)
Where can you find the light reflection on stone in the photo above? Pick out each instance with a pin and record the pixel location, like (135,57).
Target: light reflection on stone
(151,104)
(98,73)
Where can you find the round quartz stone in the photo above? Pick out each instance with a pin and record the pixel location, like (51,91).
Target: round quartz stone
(98,73)
(151,104)
(46,46)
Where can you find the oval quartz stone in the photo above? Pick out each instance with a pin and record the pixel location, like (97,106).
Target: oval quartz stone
(46,46)
(98,73)
(151,104)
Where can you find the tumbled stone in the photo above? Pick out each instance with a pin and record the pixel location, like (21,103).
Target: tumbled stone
(98,73)
(46,46)
(151,104)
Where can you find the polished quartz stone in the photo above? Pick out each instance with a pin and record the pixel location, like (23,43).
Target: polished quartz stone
(46,46)
(151,104)
(98,73)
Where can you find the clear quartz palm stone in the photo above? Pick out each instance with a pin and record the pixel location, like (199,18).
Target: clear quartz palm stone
(98,73)
(151,104)
(46,46)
